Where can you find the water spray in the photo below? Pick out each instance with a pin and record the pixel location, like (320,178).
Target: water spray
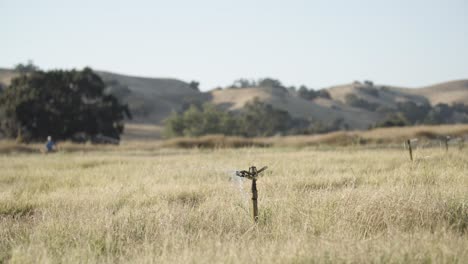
(252,174)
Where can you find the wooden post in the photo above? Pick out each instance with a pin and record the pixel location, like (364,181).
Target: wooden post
(254,200)
(410,149)
(447,138)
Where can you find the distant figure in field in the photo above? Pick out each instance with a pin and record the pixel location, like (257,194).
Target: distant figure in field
(50,145)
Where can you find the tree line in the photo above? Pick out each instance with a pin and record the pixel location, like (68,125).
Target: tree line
(303,91)
(407,113)
(256,119)
(410,113)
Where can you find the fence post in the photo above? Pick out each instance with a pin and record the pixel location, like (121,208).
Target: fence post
(410,149)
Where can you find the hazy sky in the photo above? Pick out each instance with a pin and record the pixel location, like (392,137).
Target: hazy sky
(316,43)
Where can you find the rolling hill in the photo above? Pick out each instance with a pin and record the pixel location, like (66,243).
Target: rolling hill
(153,99)
(447,92)
(323,110)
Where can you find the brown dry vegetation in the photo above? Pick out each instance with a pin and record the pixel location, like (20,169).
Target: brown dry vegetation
(336,205)
(381,136)
(140,139)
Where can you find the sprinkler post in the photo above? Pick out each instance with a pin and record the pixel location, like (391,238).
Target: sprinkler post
(254,200)
(252,174)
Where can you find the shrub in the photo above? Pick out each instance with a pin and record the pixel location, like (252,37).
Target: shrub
(310,94)
(355,101)
(260,119)
(198,121)
(393,120)
(369,90)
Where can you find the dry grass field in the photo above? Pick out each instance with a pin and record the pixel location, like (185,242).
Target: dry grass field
(155,205)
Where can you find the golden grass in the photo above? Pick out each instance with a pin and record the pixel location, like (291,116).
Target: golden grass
(118,205)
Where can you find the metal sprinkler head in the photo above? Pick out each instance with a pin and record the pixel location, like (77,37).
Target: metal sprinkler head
(251,174)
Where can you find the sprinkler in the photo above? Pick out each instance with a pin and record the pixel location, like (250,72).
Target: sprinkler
(252,174)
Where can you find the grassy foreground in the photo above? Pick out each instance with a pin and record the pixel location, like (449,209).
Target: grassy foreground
(347,205)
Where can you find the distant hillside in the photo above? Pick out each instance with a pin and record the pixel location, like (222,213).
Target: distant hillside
(357,105)
(320,109)
(151,100)
(378,94)
(447,92)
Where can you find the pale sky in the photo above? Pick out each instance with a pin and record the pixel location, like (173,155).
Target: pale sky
(317,43)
